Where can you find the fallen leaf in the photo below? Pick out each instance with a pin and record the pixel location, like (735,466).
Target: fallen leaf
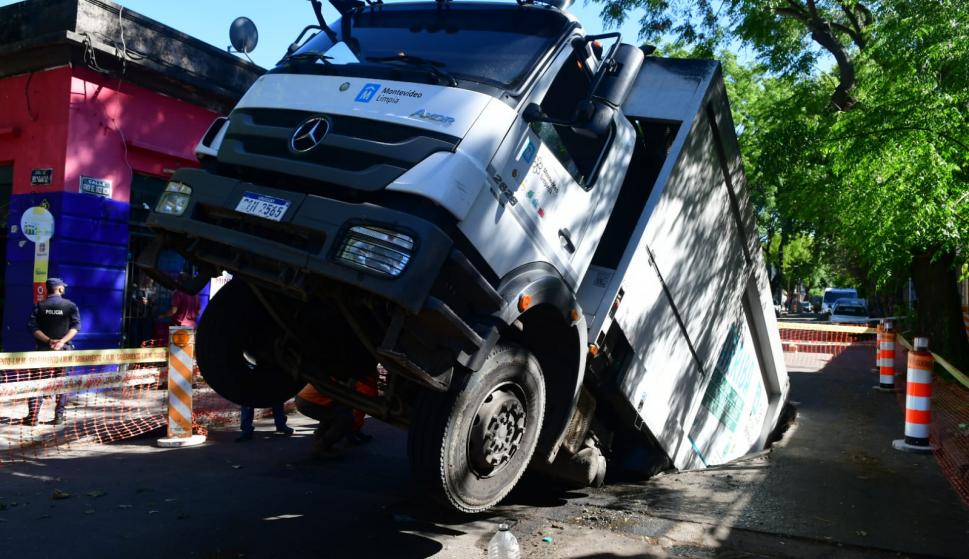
(153,512)
(861,533)
(96,493)
(89,511)
(58,494)
(124,506)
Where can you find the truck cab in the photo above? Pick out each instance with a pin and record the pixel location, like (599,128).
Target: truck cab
(453,191)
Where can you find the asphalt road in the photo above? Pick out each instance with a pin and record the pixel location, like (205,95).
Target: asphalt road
(831,488)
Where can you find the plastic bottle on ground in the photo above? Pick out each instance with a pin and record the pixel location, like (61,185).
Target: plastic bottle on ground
(503,545)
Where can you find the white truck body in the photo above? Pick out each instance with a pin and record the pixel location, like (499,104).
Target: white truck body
(623,258)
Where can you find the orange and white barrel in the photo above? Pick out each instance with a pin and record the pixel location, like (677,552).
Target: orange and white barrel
(886,358)
(918,399)
(181,366)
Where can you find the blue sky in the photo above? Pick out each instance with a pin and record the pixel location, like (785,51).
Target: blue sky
(279,21)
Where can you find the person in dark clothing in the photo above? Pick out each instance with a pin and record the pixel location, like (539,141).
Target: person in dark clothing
(247,414)
(53,322)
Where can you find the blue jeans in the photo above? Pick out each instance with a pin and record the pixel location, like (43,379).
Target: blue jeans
(279,417)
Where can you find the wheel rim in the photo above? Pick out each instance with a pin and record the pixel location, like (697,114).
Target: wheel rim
(496,431)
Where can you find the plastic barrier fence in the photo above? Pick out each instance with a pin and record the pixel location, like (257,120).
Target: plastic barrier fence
(949,429)
(51,399)
(810,347)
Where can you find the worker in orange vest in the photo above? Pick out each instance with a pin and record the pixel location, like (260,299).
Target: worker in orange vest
(337,421)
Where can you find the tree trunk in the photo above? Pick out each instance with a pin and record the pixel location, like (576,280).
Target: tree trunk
(939,311)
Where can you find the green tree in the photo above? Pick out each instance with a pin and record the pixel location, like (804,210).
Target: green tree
(869,158)
(789,35)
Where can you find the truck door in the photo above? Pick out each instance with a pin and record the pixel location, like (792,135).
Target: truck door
(556,177)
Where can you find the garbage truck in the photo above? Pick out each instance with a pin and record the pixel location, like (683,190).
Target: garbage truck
(542,238)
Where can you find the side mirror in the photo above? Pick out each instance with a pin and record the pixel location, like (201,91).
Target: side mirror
(593,118)
(533,113)
(243,35)
(618,75)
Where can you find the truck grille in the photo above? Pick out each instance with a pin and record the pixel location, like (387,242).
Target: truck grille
(356,153)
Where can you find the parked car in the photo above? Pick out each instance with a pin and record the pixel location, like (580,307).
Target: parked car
(849,311)
(806,306)
(833,294)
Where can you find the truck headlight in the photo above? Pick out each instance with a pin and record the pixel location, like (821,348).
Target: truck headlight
(375,249)
(174,200)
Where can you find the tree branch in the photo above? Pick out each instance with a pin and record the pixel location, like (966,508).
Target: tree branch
(857,35)
(822,32)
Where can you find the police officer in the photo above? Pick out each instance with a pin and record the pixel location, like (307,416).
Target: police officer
(54,322)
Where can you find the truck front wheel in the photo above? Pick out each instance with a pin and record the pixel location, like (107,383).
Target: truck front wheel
(471,445)
(234,347)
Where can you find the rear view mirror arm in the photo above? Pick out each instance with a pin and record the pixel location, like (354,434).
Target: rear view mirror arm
(318,10)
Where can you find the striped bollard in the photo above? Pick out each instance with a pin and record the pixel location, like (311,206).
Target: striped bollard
(886,359)
(181,364)
(918,399)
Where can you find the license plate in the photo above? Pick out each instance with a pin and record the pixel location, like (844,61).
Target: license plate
(260,205)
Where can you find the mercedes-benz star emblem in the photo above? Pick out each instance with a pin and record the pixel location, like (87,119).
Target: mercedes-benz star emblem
(309,134)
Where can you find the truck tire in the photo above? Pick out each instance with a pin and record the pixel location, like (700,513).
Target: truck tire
(469,446)
(233,348)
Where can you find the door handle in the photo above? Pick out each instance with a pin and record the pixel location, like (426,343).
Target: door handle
(566,241)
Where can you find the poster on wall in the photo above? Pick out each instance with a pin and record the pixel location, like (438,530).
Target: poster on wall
(97,187)
(37,225)
(41,177)
(41,259)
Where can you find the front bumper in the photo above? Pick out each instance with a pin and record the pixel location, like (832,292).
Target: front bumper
(299,249)
(298,256)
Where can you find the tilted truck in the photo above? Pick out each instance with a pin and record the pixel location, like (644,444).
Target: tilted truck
(543,236)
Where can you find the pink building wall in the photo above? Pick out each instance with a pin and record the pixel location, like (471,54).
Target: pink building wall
(81,123)
(33,126)
(115,125)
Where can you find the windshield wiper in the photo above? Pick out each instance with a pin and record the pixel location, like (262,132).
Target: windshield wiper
(308,55)
(432,66)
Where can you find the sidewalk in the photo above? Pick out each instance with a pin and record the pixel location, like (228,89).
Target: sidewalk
(833,478)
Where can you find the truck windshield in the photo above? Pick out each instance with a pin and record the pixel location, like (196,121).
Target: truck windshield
(489,44)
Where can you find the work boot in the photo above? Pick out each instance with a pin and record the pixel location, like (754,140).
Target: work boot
(285,431)
(358,438)
(58,419)
(30,420)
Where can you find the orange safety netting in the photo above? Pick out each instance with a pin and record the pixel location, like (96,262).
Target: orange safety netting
(949,430)
(101,404)
(815,347)
(823,341)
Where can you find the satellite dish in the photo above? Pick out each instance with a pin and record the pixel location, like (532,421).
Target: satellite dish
(243,35)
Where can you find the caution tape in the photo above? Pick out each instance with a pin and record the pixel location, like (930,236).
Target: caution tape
(78,383)
(88,357)
(956,373)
